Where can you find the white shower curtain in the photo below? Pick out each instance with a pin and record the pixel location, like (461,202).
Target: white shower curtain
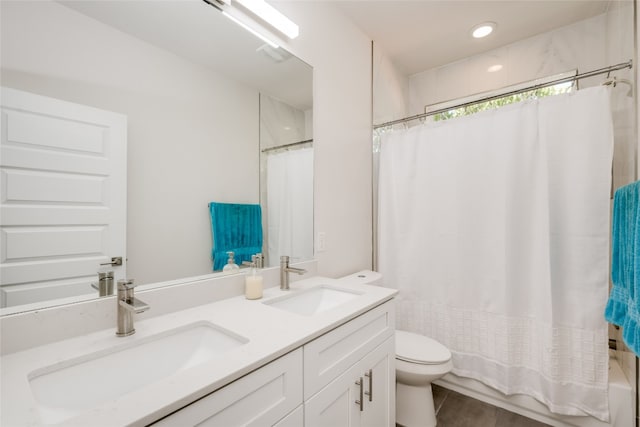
(495,230)
(290,205)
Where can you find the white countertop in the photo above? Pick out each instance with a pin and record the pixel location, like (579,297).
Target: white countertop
(271,332)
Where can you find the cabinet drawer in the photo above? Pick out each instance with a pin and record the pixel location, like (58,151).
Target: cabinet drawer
(328,356)
(260,398)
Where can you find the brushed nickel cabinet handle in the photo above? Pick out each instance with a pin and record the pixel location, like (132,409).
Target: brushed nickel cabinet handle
(361,400)
(370,392)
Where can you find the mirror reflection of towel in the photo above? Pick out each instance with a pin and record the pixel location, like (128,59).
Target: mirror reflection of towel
(237,228)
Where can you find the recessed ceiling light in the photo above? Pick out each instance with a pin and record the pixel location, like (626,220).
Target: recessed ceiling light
(483,30)
(494,68)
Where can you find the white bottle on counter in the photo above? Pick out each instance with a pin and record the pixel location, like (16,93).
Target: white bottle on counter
(253,283)
(231,267)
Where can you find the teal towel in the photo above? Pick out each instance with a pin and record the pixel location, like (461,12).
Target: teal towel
(623,307)
(237,228)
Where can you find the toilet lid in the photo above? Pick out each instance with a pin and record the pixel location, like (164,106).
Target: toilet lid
(416,348)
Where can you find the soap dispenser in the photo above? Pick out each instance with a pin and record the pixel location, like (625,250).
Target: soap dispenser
(231,266)
(253,282)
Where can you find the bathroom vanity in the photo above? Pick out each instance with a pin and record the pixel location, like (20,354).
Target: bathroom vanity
(336,377)
(321,353)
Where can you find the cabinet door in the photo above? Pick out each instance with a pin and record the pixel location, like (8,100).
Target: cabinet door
(260,398)
(335,405)
(379,371)
(328,356)
(294,419)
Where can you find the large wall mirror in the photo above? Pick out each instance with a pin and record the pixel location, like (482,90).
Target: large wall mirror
(210,114)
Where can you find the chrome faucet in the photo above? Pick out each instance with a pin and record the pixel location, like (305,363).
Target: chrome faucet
(285,270)
(259,260)
(127,306)
(105,283)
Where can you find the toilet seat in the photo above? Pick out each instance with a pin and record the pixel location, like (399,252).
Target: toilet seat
(416,348)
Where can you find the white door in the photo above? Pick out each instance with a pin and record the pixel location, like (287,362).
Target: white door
(63,197)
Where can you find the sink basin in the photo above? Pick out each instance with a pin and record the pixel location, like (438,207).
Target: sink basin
(314,300)
(71,387)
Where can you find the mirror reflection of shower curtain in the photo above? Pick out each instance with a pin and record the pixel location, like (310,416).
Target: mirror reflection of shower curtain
(290,204)
(495,230)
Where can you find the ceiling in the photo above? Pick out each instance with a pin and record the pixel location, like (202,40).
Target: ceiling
(415,34)
(421,34)
(199,33)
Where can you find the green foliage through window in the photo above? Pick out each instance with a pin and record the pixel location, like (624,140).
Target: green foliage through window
(506,100)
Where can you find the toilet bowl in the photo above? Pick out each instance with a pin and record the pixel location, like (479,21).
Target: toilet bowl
(419,361)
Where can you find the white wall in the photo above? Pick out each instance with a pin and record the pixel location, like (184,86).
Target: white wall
(391,89)
(192,134)
(341,58)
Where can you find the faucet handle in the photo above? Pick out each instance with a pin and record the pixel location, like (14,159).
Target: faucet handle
(126,284)
(259,260)
(251,263)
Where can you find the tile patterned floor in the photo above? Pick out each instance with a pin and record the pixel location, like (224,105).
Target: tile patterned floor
(456,410)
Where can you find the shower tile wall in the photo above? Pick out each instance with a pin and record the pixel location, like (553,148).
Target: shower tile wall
(587,45)
(579,46)
(281,123)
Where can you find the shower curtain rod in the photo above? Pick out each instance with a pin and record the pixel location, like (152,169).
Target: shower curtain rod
(597,72)
(293,144)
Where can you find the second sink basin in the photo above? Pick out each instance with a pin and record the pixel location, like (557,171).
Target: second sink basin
(71,387)
(314,300)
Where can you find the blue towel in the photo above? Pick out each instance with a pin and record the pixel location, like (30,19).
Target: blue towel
(237,228)
(623,307)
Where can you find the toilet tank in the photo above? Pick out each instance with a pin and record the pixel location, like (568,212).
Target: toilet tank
(365,277)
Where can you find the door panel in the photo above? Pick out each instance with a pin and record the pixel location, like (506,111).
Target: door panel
(62,199)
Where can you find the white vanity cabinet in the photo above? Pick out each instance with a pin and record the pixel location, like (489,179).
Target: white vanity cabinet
(314,385)
(350,373)
(294,419)
(261,398)
(362,396)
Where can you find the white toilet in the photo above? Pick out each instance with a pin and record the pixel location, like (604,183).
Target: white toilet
(419,361)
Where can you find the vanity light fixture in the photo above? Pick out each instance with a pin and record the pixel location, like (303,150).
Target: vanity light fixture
(250,14)
(251,30)
(483,30)
(271,16)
